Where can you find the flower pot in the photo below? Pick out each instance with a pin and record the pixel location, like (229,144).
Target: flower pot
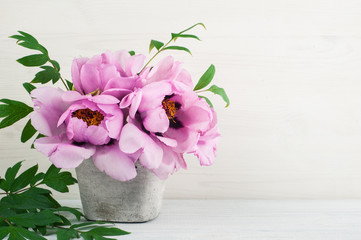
(106,199)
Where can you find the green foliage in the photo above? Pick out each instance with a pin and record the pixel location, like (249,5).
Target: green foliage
(57,180)
(28,41)
(12,111)
(33,60)
(206,78)
(70,84)
(48,73)
(27,132)
(154,43)
(28,87)
(160,46)
(177,35)
(207,100)
(178,48)
(219,91)
(27,211)
(132,53)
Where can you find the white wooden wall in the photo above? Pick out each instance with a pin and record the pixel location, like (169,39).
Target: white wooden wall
(292,70)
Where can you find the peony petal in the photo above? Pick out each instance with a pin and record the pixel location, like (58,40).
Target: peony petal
(168,141)
(153,95)
(104,99)
(117,92)
(90,78)
(72,96)
(186,138)
(106,73)
(122,83)
(78,131)
(75,73)
(62,153)
(114,125)
(156,120)
(171,162)
(49,106)
(132,139)
(135,103)
(47,145)
(134,64)
(114,163)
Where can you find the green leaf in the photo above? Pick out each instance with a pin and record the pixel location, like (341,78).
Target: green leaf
(32,220)
(28,41)
(156,44)
(197,24)
(6,212)
(29,87)
(56,64)
(27,132)
(177,35)
(207,100)
(104,231)
(49,73)
(86,224)
(74,211)
(64,220)
(38,177)
(132,53)
(4,231)
(42,230)
(58,180)
(219,91)
(70,84)
(2,184)
(24,179)
(66,234)
(30,199)
(28,234)
(178,48)
(14,234)
(10,177)
(12,171)
(206,78)
(33,60)
(100,232)
(13,111)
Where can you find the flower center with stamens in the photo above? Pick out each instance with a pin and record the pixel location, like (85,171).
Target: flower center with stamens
(170,107)
(89,116)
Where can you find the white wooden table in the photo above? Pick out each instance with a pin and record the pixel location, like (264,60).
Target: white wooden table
(249,219)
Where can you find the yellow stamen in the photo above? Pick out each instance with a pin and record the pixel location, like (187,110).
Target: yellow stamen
(170,108)
(89,116)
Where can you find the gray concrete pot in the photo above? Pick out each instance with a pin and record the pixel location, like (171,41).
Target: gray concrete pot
(106,199)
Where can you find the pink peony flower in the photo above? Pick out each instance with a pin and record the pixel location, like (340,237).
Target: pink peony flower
(80,127)
(167,115)
(115,71)
(206,148)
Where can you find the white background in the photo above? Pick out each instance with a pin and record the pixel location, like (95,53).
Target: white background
(292,70)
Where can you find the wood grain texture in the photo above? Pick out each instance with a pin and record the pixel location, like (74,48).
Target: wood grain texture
(291,69)
(249,219)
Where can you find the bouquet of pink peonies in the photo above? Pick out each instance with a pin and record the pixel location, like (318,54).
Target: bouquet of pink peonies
(117,110)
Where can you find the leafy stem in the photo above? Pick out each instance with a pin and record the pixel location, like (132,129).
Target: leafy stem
(161,46)
(58,70)
(39,60)
(21,190)
(159,51)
